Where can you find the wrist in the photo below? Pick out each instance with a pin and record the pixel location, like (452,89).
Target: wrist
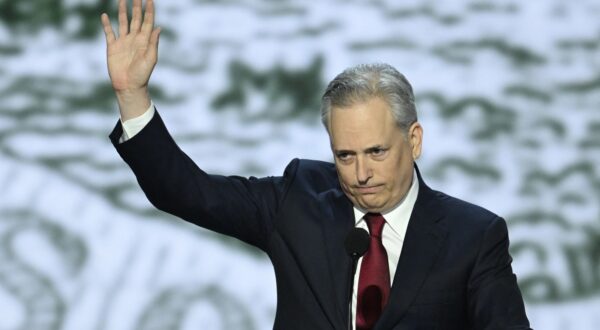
(133,103)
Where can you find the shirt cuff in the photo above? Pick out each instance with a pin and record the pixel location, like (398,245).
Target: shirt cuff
(135,125)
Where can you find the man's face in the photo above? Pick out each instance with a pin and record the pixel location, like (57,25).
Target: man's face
(373,156)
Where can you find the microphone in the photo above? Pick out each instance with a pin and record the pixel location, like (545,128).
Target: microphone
(356,243)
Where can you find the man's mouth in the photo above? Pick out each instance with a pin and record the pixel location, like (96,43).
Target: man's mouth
(368,189)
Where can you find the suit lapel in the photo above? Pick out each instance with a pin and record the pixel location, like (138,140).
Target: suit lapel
(424,238)
(338,221)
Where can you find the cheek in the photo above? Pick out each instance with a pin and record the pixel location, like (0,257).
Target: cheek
(385,170)
(345,175)
(390,173)
(342,175)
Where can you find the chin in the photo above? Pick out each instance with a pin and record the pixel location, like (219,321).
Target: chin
(371,207)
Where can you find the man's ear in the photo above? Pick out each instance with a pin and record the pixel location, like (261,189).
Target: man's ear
(415,138)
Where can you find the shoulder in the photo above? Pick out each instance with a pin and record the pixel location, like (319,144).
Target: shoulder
(313,175)
(472,231)
(463,215)
(314,167)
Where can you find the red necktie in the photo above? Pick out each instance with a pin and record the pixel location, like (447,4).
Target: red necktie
(374,280)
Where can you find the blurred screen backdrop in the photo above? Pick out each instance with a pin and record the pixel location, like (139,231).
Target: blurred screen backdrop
(508,93)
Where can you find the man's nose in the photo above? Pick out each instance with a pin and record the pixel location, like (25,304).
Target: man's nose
(363,170)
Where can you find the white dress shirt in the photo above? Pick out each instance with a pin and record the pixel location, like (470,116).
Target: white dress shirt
(394,231)
(134,125)
(396,220)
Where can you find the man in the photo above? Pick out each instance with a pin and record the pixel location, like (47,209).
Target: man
(434,262)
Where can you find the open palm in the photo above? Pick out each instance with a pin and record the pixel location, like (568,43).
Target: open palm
(133,54)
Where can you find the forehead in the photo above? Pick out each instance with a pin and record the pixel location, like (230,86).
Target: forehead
(362,124)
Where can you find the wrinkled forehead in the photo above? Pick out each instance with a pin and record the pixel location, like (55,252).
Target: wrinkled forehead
(364,123)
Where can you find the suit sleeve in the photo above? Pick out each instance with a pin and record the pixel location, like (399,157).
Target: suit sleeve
(235,206)
(495,301)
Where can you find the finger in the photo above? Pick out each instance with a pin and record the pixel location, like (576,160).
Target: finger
(123,30)
(152,52)
(136,16)
(148,18)
(108,30)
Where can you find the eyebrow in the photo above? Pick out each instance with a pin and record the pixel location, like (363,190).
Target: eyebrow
(342,151)
(367,150)
(375,147)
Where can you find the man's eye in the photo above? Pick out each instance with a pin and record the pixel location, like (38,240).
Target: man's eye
(343,156)
(377,152)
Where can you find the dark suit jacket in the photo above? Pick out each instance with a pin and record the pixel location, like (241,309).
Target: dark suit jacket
(454,271)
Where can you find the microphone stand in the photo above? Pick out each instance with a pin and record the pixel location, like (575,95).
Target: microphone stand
(357,244)
(355,257)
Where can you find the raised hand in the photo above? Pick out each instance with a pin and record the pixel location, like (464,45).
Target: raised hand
(131,56)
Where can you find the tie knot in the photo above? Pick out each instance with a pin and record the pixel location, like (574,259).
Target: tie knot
(375,222)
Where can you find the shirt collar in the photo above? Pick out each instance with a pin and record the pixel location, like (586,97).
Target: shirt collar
(397,218)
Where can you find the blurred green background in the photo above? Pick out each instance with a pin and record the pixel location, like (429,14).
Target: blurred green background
(508,93)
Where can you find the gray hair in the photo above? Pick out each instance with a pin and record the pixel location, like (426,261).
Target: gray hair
(365,81)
